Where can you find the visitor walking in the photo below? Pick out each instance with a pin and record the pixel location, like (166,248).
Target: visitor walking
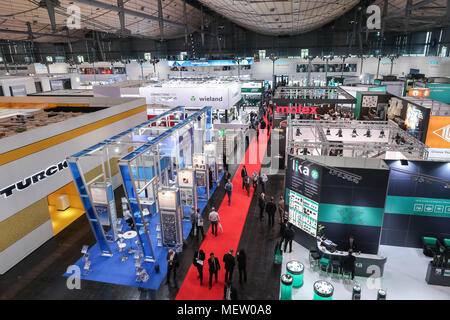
(262,205)
(288,237)
(281,208)
(271,208)
(255,180)
(229,190)
(242,265)
(229,292)
(199,219)
(214,267)
(193,219)
(264,180)
(199,259)
(229,262)
(243,175)
(214,219)
(172,265)
(247,184)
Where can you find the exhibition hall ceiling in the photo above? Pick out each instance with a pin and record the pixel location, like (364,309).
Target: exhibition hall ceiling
(280,17)
(422,14)
(14,14)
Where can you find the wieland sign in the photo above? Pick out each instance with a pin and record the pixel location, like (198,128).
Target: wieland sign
(297,109)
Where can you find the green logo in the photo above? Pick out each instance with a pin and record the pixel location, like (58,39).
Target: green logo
(193,98)
(314,174)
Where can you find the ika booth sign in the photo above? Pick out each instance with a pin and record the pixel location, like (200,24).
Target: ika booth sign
(33,179)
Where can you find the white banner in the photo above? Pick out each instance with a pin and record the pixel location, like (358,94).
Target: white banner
(193,97)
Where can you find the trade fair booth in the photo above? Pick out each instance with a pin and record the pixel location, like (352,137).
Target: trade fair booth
(164,171)
(401,203)
(37,195)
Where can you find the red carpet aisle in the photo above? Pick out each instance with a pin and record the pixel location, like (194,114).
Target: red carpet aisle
(232,219)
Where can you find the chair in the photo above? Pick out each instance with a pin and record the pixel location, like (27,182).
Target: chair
(324,264)
(346,275)
(336,266)
(430,246)
(314,258)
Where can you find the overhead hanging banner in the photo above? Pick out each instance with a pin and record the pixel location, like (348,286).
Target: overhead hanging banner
(217,97)
(209,63)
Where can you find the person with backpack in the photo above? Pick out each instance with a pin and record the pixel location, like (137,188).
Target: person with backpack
(229,190)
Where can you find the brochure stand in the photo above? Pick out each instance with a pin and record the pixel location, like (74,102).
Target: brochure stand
(105,207)
(171,216)
(201,173)
(188,188)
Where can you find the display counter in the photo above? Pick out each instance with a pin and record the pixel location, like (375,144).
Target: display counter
(365,264)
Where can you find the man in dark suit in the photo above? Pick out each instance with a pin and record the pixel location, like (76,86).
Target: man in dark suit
(172,265)
(199,259)
(242,265)
(243,175)
(271,208)
(229,292)
(262,205)
(288,237)
(229,261)
(351,245)
(349,263)
(214,267)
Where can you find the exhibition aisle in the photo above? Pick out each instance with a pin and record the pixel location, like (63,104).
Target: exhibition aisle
(232,219)
(403,278)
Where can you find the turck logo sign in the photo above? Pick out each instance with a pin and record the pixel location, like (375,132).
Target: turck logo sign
(297,109)
(33,179)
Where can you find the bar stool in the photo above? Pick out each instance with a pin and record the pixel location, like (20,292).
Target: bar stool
(314,258)
(336,267)
(324,264)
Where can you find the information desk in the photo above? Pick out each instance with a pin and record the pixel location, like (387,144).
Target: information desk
(365,264)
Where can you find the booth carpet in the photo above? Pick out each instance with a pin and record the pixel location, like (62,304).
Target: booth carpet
(112,270)
(232,219)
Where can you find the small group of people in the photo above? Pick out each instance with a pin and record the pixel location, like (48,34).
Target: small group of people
(268,205)
(214,266)
(253,180)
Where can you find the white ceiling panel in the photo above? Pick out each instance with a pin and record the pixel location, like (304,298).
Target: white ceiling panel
(281,17)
